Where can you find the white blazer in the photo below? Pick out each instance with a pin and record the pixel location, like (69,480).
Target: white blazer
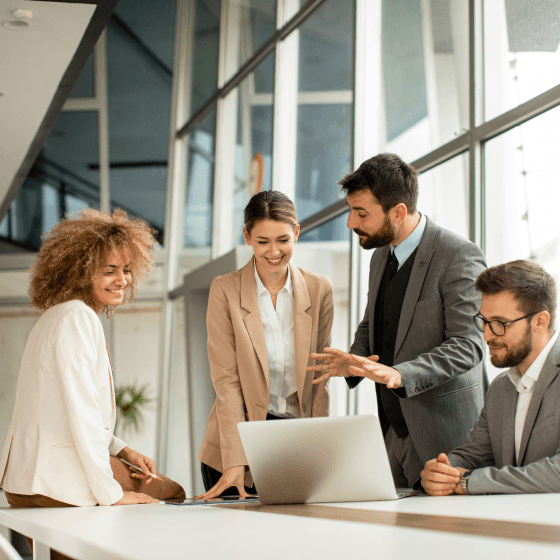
(61,435)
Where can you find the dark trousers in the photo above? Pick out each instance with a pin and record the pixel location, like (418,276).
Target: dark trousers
(210,476)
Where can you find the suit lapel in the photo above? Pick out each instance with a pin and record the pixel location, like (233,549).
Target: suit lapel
(377,268)
(420,267)
(303,325)
(253,320)
(548,374)
(509,399)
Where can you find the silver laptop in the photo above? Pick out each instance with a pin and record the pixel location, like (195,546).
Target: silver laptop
(312,460)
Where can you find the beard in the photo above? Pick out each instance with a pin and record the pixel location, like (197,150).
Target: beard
(514,356)
(380,238)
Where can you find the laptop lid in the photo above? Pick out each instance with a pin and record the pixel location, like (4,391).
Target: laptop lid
(311,460)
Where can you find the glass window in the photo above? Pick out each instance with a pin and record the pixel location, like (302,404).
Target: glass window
(199,199)
(85,85)
(325,105)
(250,24)
(66,169)
(202,63)
(253,143)
(424,87)
(444,195)
(521,55)
(522,188)
(317,253)
(140,61)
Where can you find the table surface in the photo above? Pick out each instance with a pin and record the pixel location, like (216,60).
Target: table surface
(452,527)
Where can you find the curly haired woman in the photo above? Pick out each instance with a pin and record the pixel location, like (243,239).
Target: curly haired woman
(60,449)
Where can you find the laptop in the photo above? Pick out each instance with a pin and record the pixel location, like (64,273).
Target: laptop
(319,460)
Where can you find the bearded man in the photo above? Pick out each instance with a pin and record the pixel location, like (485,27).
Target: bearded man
(417,340)
(514,447)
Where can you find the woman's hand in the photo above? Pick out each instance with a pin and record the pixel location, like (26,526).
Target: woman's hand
(145,463)
(131,498)
(234,476)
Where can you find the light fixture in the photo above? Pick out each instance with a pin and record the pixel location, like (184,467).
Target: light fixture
(20,21)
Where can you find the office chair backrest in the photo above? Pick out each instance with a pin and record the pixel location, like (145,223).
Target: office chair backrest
(7,551)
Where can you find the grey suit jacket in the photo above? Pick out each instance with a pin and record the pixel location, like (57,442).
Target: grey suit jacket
(490,446)
(439,351)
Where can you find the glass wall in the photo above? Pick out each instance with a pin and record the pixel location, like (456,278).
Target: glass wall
(521,55)
(140,70)
(201,147)
(324,105)
(317,253)
(443,195)
(253,141)
(424,85)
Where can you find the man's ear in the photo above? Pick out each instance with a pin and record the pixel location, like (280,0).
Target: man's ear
(542,320)
(400,212)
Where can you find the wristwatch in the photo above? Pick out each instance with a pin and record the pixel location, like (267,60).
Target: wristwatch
(465,481)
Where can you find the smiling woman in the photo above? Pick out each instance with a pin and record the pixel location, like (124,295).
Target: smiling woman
(85,266)
(263,322)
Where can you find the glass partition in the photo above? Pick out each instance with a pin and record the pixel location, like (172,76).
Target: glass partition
(424,86)
(521,55)
(253,141)
(317,253)
(325,105)
(199,213)
(202,63)
(140,63)
(250,24)
(443,195)
(85,84)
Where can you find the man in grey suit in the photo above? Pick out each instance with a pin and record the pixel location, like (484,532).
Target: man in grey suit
(417,339)
(514,447)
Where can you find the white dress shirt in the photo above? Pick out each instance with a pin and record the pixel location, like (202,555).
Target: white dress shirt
(278,327)
(525,385)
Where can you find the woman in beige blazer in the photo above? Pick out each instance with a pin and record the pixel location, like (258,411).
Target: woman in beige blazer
(263,322)
(60,448)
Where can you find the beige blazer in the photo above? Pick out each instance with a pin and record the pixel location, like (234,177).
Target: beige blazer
(61,435)
(239,362)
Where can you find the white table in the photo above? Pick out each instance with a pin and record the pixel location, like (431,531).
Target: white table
(450,528)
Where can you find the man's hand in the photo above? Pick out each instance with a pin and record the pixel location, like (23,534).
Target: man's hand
(131,498)
(336,363)
(365,367)
(439,478)
(234,476)
(145,463)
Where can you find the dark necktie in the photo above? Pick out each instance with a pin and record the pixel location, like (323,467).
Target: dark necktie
(393,265)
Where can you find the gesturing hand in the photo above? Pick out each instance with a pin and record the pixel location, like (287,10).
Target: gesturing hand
(365,367)
(439,478)
(336,363)
(234,476)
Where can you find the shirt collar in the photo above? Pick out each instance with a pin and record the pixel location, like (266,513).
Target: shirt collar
(260,286)
(405,248)
(524,382)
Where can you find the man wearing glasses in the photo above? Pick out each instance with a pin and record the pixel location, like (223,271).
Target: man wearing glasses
(514,447)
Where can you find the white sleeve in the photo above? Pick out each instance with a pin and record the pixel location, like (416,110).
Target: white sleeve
(76,361)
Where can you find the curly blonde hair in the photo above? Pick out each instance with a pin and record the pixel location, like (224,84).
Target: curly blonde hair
(74,249)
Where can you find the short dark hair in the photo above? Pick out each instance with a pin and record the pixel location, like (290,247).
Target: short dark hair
(389,179)
(270,205)
(529,282)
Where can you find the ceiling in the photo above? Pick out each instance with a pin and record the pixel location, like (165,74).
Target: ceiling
(38,67)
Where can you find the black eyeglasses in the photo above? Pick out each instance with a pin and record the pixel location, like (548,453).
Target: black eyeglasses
(497,327)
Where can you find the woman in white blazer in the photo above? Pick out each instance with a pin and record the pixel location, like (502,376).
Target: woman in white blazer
(60,448)
(263,322)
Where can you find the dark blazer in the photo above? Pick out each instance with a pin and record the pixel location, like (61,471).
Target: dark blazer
(490,446)
(438,351)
